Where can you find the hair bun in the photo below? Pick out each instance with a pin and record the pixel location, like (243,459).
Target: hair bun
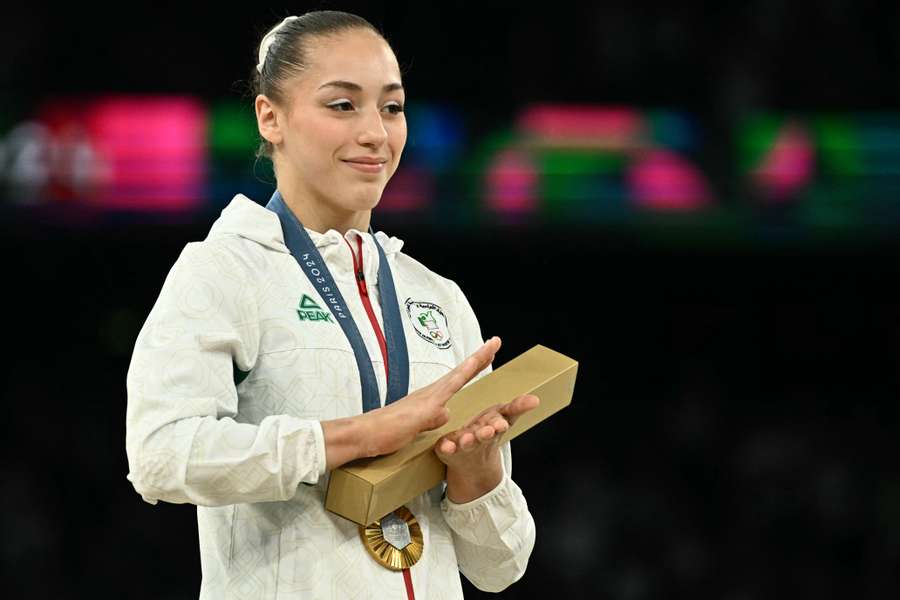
(267,42)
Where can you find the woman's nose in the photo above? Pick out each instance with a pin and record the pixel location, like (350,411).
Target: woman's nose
(373,130)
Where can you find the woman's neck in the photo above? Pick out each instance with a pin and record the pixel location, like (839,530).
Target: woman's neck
(321,217)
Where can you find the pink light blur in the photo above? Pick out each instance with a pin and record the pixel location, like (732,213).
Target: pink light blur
(410,189)
(788,166)
(149,151)
(512,181)
(611,127)
(663,180)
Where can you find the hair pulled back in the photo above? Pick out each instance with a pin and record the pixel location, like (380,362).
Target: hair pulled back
(287,53)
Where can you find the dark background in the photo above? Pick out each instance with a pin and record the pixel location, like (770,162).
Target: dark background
(734,429)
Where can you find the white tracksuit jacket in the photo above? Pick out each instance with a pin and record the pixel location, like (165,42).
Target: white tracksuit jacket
(251,455)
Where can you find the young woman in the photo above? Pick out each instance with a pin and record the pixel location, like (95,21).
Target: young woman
(294,339)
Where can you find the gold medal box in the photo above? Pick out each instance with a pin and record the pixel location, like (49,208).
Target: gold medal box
(366,490)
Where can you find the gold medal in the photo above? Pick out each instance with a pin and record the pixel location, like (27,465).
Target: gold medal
(395,541)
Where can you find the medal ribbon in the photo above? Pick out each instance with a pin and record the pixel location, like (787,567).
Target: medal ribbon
(313,265)
(307,256)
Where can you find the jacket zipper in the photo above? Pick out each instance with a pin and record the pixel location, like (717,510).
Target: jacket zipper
(364,296)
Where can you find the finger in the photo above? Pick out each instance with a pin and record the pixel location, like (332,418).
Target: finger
(490,417)
(486,421)
(467,441)
(481,358)
(471,366)
(447,446)
(499,424)
(438,419)
(485,416)
(483,434)
(521,405)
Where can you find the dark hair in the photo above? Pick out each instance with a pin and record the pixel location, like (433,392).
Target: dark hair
(287,54)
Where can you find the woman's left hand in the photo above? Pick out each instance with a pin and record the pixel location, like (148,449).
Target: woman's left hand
(472,453)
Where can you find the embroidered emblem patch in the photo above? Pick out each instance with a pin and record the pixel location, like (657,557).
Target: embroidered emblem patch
(429,321)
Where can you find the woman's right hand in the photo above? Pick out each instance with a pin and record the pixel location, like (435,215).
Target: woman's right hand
(397,424)
(386,429)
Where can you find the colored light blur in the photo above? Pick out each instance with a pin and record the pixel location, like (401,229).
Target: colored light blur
(786,160)
(556,164)
(232,131)
(597,163)
(663,180)
(836,170)
(575,126)
(578,183)
(137,152)
(435,136)
(409,191)
(512,183)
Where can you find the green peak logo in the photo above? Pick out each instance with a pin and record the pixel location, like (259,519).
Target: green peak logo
(308,310)
(307,302)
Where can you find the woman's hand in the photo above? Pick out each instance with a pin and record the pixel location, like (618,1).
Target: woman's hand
(386,429)
(472,453)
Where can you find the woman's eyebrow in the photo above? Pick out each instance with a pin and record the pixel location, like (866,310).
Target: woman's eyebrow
(349,85)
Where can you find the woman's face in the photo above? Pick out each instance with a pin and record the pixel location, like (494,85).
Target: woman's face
(326,125)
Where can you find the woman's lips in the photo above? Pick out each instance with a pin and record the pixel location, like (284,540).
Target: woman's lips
(366,168)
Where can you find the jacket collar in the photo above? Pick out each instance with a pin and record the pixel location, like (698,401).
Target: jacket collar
(247,219)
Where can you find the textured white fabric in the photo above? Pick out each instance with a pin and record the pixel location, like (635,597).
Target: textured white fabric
(251,455)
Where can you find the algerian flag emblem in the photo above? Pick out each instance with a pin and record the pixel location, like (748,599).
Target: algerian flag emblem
(429,321)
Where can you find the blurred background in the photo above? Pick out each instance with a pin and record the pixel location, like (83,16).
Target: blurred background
(707,194)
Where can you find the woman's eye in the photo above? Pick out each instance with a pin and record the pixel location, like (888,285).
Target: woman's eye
(394,108)
(337,104)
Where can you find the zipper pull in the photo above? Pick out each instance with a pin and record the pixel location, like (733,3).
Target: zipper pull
(361,283)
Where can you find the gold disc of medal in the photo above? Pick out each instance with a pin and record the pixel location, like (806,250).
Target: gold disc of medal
(395,541)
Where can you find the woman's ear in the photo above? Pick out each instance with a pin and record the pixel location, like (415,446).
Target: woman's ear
(268,120)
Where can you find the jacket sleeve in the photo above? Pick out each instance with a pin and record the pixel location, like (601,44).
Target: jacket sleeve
(493,535)
(182,439)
